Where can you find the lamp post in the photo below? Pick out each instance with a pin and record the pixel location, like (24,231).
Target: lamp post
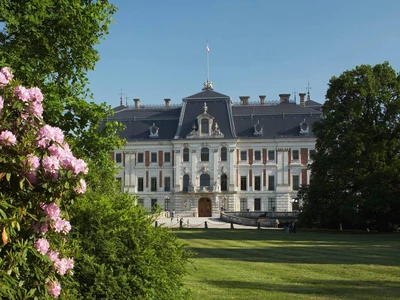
(295,205)
(166,203)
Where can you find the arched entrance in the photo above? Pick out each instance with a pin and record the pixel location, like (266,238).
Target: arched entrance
(204,207)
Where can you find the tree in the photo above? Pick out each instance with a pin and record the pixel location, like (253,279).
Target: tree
(125,256)
(356,171)
(50,43)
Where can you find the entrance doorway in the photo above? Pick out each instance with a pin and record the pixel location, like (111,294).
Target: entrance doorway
(204,207)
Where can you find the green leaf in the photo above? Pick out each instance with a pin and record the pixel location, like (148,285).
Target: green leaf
(8,176)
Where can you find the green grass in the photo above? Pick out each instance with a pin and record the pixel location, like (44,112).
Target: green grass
(269,264)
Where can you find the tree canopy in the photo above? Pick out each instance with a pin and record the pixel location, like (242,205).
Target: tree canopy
(356,170)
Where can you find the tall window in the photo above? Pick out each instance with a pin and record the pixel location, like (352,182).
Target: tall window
(271,204)
(205,154)
(257,203)
(224,182)
(271,183)
(153,184)
(295,155)
(257,155)
(167,156)
(257,183)
(296,182)
(118,158)
(153,157)
(140,201)
(204,126)
(140,184)
(224,154)
(243,183)
(271,155)
(185,186)
(167,203)
(243,204)
(243,155)
(140,158)
(186,154)
(204,180)
(154,204)
(167,184)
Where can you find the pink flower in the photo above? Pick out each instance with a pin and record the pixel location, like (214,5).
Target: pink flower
(63,265)
(53,255)
(67,227)
(52,211)
(61,225)
(32,162)
(7,138)
(44,227)
(1,103)
(51,165)
(36,108)
(42,245)
(47,134)
(81,188)
(54,288)
(22,93)
(35,93)
(78,166)
(7,73)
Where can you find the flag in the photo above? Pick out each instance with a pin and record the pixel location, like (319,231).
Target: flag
(207,49)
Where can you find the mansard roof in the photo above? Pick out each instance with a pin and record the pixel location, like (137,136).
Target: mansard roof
(279,120)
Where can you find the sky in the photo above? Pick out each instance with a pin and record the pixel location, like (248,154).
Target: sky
(156,49)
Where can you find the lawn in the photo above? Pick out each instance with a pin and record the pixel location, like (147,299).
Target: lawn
(269,264)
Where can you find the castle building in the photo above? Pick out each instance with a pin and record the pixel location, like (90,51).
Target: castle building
(209,154)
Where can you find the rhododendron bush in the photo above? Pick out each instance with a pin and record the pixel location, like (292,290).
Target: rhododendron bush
(39,178)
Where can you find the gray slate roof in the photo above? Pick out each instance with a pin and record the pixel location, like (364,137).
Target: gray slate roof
(235,121)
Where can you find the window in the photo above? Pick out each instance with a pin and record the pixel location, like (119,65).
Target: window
(204,154)
(312,154)
(243,155)
(271,155)
(154,204)
(204,180)
(140,201)
(140,184)
(204,126)
(243,204)
(167,157)
(140,158)
(186,154)
(271,183)
(257,183)
(271,204)
(224,154)
(167,203)
(295,154)
(257,155)
(296,182)
(153,157)
(185,186)
(243,183)
(224,182)
(118,158)
(257,203)
(154,184)
(167,184)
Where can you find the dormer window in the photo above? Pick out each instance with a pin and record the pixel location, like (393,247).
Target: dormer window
(258,129)
(205,126)
(153,131)
(304,127)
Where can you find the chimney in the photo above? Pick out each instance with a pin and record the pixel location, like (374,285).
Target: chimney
(302,96)
(262,99)
(137,102)
(284,98)
(167,102)
(244,100)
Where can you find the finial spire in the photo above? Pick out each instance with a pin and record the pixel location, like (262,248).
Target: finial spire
(208,85)
(120,98)
(308,91)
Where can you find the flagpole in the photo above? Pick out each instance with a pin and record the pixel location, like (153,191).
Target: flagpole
(208,64)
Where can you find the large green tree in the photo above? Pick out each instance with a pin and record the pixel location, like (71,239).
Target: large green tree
(51,44)
(355,176)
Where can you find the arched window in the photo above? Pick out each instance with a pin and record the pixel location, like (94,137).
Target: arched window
(204,180)
(185,186)
(186,154)
(205,126)
(224,154)
(204,154)
(224,182)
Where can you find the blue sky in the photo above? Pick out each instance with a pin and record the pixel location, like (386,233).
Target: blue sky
(156,49)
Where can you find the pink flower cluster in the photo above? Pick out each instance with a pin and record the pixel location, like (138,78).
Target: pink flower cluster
(48,134)
(68,160)
(5,76)
(52,211)
(54,289)
(81,188)
(7,138)
(1,103)
(33,97)
(42,245)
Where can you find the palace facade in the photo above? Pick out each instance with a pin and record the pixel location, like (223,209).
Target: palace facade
(209,154)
